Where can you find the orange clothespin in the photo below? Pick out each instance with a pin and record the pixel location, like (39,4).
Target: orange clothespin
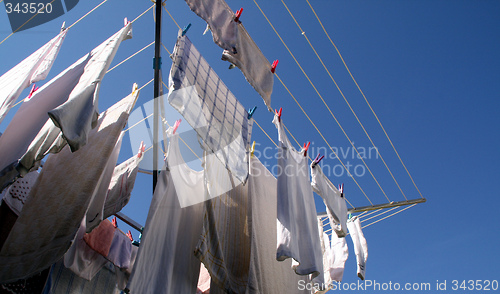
(306,147)
(275,64)
(237,15)
(129,235)
(252,149)
(113,221)
(33,90)
(142,147)
(176,125)
(279,113)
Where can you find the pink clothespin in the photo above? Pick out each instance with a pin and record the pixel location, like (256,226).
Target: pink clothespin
(306,147)
(237,15)
(317,160)
(279,113)
(176,125)
(125,22)
(275,64)
(341,189)
(142,147)
(33,90)
(113,221)
(129,235)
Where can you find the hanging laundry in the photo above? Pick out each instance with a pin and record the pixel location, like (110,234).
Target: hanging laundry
(319,288)
(34,68)
(16,194)
(123,274)
(100,239)
(298,236)
(81,259)
(71,101)
(360,247)
(340,253)
(60,198)
(253,64)
(198,94)
(266,274)
(165,261)
(121,186)
(120,250)
(63,280)
(335,203)
(220,19)
(33,284)
(95,211)
(203,281)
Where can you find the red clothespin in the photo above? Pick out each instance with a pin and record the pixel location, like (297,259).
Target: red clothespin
(306,147)
(33,90)
(317,160)
(275,64)
(237,15)
(125,22)
(279,113)
(113,221)
(176,125)
(142,148)
(341,189)
(129,235)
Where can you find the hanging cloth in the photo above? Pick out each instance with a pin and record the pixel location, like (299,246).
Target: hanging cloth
(340,253)
(34,68)
(253,64)
(199,95)
(165,262)
(298,235)
(219,18)
(51,216)
(71,101)
(360,247)
(335,203)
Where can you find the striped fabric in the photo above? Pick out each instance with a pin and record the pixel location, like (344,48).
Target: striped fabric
(210,108)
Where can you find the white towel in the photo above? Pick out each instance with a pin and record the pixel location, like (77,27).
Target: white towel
(59,199)
(34,68)
(210,108)
(253,64)
(219,17)
(71,99)
(298,235)
(335,203)
(340,253)
(360,246)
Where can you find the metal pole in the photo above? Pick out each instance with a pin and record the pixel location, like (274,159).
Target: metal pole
(157,89)
(382,206)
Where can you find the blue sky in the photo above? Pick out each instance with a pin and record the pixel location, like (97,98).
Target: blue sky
(430,70)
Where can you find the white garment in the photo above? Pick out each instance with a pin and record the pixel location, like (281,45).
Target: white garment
(298,235)
(360,247)
(210,108)
(59,199)
(34,68)
(339,254)
(121,185)
(253,64)
(266,274)
(17,194)
(81,259)
(95,211)
(71,101)
(219,17)
(120,250)
(327,262)
(165,261)
(335,203)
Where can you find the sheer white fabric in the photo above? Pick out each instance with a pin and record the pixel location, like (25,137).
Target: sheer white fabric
(360,246)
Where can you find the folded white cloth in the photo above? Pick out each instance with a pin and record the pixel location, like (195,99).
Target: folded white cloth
(360,246)
(253,64)
(34,68)
(59,199)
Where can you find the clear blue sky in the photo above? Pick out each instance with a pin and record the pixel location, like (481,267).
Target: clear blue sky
(430,70)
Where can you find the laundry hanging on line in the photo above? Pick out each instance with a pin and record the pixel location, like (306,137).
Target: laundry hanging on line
(360,246)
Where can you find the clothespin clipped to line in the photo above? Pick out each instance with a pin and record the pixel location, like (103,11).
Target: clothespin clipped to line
(33,90)
(135,87)
(237,15)
(125,22)
(176,125)
(142,148)
(113,221)
(341,189)
(63,27)
(317,160)
(251,111)
(129,235)
(279,113)
(252,149)
(275,64)
(306,147)
(350,216)
(206,30)
(185,29)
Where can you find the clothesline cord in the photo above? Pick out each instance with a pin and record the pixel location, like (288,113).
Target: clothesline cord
(171,17)
(147,46)
(344,97)
(366,100)
(321,97)
(377,215)
(389,215)
(86,14)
